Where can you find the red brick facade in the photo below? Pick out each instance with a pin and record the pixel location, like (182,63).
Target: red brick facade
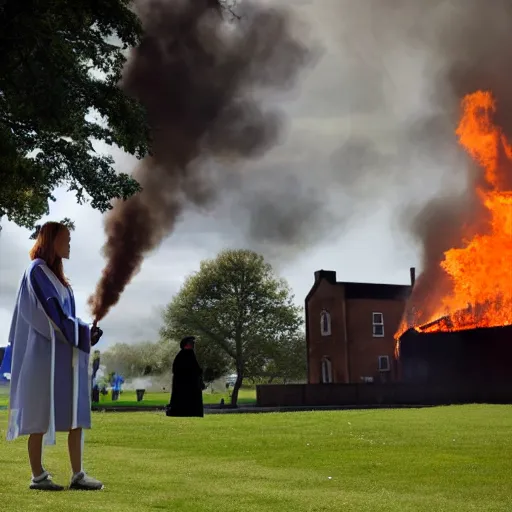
(350,330)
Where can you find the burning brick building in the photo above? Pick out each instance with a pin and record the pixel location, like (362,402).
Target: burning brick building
(354,358)
(350,329)
(453,327)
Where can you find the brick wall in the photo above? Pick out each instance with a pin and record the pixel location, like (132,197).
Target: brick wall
(329,297)
(380,394)
(364,348)
(350,320)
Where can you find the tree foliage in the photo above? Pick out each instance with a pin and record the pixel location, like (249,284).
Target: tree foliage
(283,361)
(286,361)
(65,221)
(140,359)
(238,307)
(60,65)
(215,363)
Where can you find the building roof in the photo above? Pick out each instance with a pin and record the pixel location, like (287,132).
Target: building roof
(362,290)
(376,291)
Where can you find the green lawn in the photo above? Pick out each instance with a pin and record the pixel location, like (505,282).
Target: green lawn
(129,398)
(444,459)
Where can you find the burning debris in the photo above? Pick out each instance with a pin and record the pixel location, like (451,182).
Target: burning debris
(198,75)
(479,272)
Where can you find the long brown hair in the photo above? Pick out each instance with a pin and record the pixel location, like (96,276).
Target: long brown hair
(44,249)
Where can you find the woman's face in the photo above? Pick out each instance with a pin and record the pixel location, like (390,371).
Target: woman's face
(62,244)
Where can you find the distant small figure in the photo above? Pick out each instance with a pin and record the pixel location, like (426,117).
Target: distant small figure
(5,367)
(222,403)
(117,382)
(187,383)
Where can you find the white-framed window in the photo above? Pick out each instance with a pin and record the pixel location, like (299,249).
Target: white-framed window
(384,365)
(378,325)
(326,371)
(325,323)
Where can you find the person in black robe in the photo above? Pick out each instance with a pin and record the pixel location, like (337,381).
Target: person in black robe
(187,383)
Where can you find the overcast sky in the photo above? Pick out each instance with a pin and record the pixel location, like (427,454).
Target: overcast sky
(338,173)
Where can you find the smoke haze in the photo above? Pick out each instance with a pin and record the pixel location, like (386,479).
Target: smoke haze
(461,46)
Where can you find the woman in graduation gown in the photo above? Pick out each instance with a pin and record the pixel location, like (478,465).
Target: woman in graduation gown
(50,387)
(187,383)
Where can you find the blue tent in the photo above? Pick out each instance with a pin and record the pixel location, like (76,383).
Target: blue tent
(5,367)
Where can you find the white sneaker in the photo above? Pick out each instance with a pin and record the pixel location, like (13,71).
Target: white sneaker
(83,482)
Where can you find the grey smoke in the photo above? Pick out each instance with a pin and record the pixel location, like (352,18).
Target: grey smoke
(285,214)
(462,46)
(459,46)
(472,51)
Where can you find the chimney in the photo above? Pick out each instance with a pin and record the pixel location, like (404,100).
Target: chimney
(413,276)
(328,275)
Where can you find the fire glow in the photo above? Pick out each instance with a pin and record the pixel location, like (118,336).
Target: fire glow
(480,271)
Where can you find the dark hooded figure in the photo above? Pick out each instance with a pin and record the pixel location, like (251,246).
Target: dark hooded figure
(187,382)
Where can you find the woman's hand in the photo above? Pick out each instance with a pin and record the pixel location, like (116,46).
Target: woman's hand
(96,334)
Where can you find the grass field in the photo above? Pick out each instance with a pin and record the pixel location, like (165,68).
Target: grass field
(129,398)
(444,459)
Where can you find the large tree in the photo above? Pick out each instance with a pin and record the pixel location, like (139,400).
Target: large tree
(236,305)
(60,67)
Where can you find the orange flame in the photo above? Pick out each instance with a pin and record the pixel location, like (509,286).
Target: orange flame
(481,271)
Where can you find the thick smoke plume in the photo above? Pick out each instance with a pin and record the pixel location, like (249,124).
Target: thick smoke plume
(198,77)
